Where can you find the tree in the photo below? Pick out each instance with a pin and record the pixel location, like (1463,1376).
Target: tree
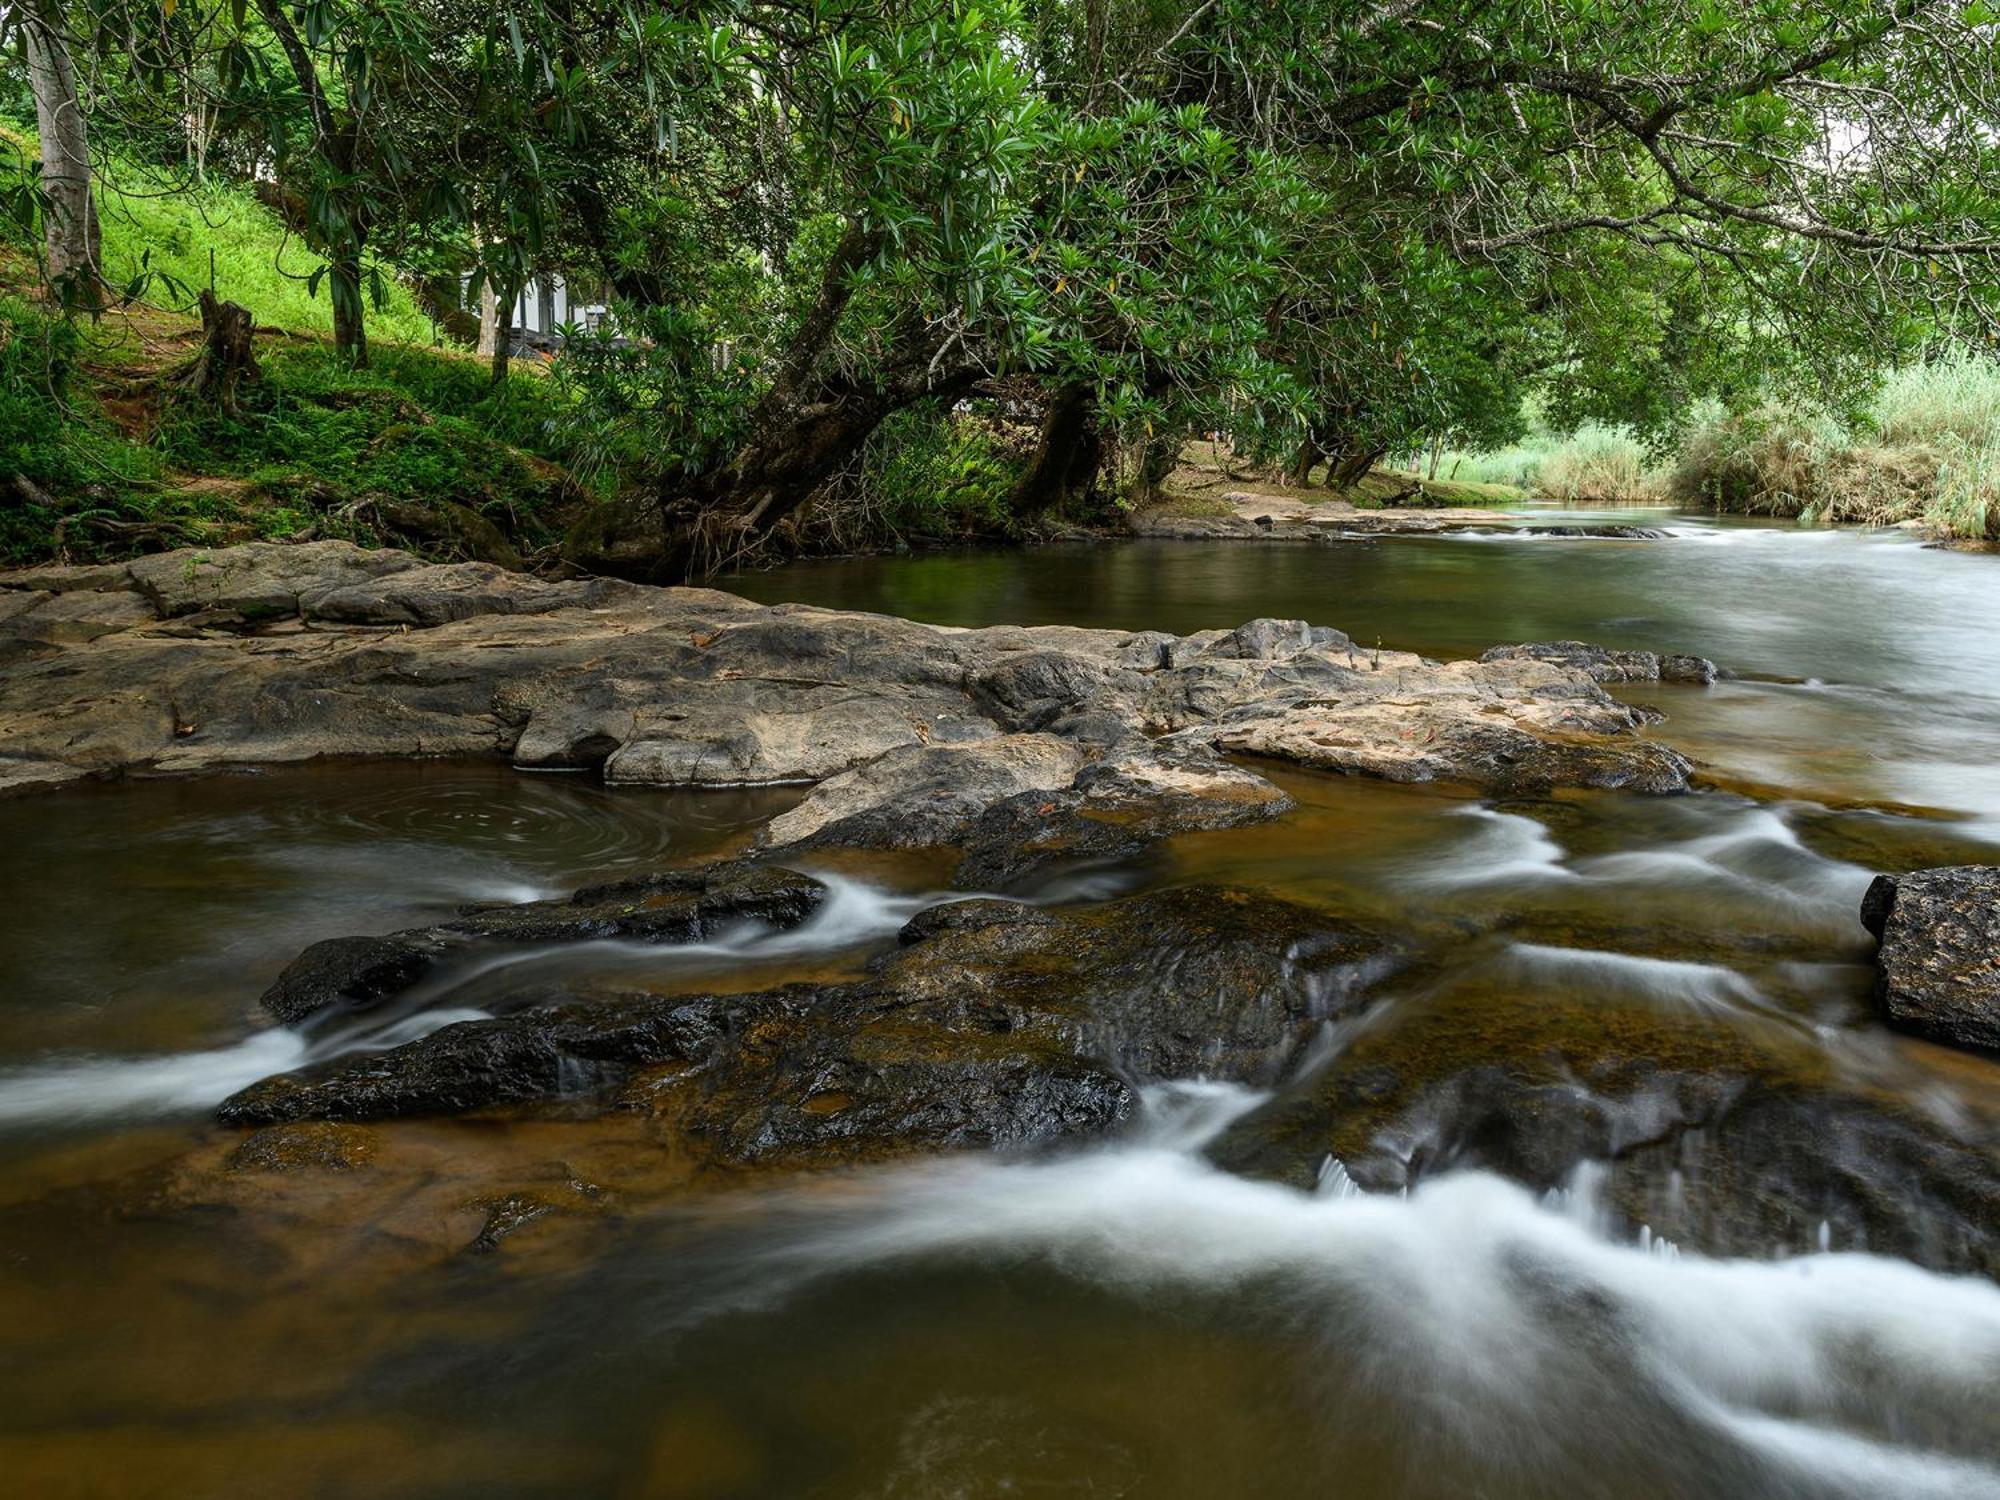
(70,243)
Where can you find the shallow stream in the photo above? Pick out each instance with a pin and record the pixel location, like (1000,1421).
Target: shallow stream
(1123,1320)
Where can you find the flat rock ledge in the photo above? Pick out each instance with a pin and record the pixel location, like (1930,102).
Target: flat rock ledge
(1251,516)
(1938,966)
(1053,738)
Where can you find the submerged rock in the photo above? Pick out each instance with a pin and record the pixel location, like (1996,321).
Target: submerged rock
(992,1024)
(1939,959)
(675,906)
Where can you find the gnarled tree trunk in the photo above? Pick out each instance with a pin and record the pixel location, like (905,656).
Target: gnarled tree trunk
(1068,456)
(1352,465)
(1308,458)
(69,229)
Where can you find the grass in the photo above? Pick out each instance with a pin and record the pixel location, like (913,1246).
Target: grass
(189,237)
(418,448)
(1594,463)
(1925,453)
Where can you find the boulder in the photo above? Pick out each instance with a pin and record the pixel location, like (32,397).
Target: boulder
(1735,1135)
(259,579)
(1938,963)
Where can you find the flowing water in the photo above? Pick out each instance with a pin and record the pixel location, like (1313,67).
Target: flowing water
(1122,1320)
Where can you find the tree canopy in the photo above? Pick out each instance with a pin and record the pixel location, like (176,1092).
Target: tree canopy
(1329,228)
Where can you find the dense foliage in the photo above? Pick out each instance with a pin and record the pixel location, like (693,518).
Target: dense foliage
(1332,229)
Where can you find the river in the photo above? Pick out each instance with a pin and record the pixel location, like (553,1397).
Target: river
(1123,1320)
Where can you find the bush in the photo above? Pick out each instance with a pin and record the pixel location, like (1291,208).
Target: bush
(925,472)
(1926,451)
(60,461)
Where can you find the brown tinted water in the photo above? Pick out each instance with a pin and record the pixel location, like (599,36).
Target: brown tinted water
(1125,1320)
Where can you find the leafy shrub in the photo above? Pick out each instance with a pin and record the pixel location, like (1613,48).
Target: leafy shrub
(60,461)
(925,472)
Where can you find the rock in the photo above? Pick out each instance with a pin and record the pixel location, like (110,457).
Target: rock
(359,973)
(199,660)
(351,973)
(440,594)
(303,1146)
(1733,1136)
(922,795)
(1602,532)
(1939,959)
(63,578)
(1696,669)
(1114,811)
(970,916)
(259,579)
(505,1216)
(992,1024)
(1276,640)
(1606,665)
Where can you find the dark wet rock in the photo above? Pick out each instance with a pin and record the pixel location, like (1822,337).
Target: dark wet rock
(303,1146)
(1695,669)
(675,906)
(353,973)
(972,915)
(671,906)
(1788,1168)
(992,1025)
(1939,959)
(1604,664)
(202,659)
(1732,1136)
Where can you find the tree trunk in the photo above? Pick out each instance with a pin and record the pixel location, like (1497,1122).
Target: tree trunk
(1308,458)
(350,330)
(227,359)
(1067,458)
(333,143)
(489,317)
(1352,466)
(69,230)
(503,330)
(1153,462)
